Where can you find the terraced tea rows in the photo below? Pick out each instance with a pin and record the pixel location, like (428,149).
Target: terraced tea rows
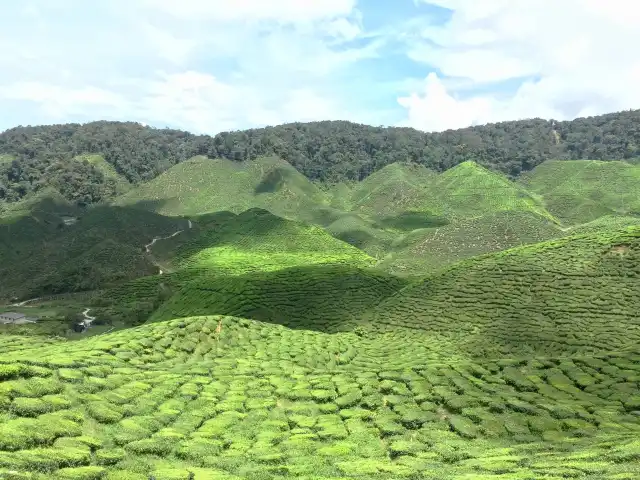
(574,295)
(223,397)
(582,191)
(326,298)
(257,240)
(426,250)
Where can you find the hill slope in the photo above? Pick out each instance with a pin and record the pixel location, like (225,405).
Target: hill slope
(425,250)
(582,191)
(576,294)
(104,245)
(229,398)
(257,240)
(202,185)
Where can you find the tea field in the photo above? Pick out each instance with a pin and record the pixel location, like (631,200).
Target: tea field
(522,364)
(414,325)
(219,397)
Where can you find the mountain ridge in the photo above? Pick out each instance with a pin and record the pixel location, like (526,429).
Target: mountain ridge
(329,151)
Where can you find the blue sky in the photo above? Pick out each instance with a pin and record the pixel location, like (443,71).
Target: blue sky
(213,65)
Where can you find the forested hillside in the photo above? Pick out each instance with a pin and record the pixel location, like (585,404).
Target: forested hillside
(331,151)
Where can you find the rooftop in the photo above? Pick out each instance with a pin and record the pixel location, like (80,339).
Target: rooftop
(12,315)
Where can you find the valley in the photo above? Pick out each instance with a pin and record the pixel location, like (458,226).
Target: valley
(256,318)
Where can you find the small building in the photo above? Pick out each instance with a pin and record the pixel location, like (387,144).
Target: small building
(16,318)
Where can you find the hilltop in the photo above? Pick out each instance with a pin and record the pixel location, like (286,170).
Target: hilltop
(201,185)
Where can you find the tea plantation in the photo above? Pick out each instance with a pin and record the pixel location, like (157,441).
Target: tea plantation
(518,365)
(225,397)
(251,324)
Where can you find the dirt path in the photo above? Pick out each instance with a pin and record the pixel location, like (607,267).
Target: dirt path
(24,302)
(148,246)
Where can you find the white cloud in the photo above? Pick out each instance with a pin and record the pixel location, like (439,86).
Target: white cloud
(571,58)
(284,11)
(57,102)
(199,65)
(168,46)
(193,100)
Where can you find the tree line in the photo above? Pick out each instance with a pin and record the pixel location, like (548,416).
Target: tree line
(33,157)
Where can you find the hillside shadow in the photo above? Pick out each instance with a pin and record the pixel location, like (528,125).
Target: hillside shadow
(152,205)
(326,298)
(408,221)
(273,181)
(226,228)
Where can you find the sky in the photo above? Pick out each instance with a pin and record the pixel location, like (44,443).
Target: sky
(212,65)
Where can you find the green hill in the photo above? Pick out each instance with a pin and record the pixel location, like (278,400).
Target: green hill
(103,246)
(203,185)
(426,250)
(469,190)
(394,189)
(243,255)
(582,191)
(572,295)
(121,185)
(257,240)
(327,297)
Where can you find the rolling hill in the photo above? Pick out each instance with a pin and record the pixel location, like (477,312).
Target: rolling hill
(578,294)
(102,246)
(220,397)
(202,185)
(323,301)
(426,250)
(582,191)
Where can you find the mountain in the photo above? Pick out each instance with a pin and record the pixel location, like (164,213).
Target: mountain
(35,157)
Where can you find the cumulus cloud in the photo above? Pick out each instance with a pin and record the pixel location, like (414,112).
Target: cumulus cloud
(566,59)
(200,65)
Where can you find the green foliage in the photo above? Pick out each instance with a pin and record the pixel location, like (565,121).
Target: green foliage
(582,191)
(529,299)
(33,157)
(268,349)
(104,246)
